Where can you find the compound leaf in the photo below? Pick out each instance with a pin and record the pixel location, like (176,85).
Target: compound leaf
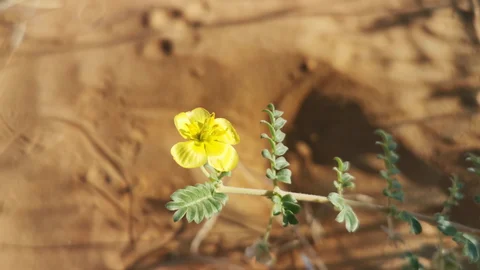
(196,203)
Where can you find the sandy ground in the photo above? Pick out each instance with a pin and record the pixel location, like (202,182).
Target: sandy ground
(89,89)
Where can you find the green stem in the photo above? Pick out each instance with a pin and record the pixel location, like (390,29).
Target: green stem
(270,127)
(390,224)
(269,227)
(440,249)
(322,199)
(269,193)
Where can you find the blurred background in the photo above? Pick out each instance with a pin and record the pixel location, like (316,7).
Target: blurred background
(89,89)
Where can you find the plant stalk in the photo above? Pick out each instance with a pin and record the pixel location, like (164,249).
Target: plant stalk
(269,227)
(322,199)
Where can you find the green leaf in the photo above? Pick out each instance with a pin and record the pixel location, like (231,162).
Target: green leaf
(445,226)
(393,157)
(270,114)
(285,176)
(474,170)
(415,226)
(197,202)
(392,145)
(473,158)
(396,184)
(279,123)
(179,214)
(288,198)
(348,216)
(280,149)
(336,200)
(395,194)
(398,195)
(281,163)
(293,207)
(289,203)
(385,136)
(384,174)
(352,221)
(346,177)
(448,230)
(271,107)
(271,174)
(288,206)
(340,165)
(413,263)
(266,154)
(394,170)
(289,218)
(277,199)
(470,246)
(270,128)
(279,136)
(277,113)
(337,185)
(349,185)
(260,251)
(346,166)
(477,199)
(224,174)
(277,209)
(266,123)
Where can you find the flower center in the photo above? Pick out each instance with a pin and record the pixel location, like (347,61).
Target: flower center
(205,132)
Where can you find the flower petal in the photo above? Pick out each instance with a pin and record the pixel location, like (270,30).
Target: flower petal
(189,154)
(198,115)
(213,148)
(230,136)
(221,156)
(182,121)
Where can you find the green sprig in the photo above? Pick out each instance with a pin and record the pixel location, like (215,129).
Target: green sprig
(455,195)
(344,179)
(278,170)
(288,207)
(475,169)
(471,248)
(394,188)
(390,157)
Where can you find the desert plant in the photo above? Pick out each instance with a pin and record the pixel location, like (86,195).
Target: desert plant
(209,146)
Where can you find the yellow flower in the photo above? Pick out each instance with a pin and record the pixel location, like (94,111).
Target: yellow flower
(209,140)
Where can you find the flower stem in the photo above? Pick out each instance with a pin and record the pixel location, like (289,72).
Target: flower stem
(322,199)
(204,170)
